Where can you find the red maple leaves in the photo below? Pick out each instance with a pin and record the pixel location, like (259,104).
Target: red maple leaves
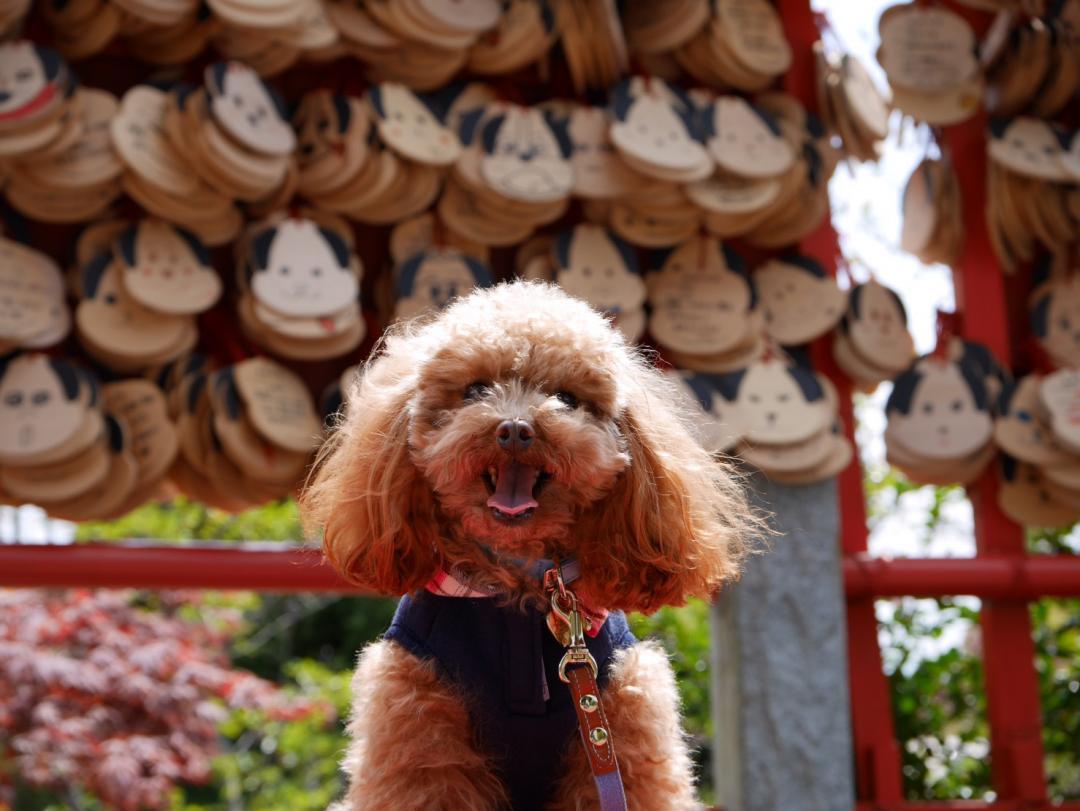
(99,693)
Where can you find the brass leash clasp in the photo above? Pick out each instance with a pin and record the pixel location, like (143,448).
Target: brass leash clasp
(564,606)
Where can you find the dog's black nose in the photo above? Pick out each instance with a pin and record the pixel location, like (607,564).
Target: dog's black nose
(514,435)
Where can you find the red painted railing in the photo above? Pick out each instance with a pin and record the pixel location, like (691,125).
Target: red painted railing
(282,567)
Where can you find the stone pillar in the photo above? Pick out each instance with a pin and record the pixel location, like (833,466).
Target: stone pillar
(780,681)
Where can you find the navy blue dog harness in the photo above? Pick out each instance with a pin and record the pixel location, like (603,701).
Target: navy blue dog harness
(505,661)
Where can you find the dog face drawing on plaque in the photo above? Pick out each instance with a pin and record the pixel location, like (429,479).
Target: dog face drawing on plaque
(1055,318)
(1027,146)
(657,126)
(596,265)
(876,322)
(168,268)
(939,409)
(1019,427)
(777,401)
(799,299)
(720,422)
(323,123)
(432,279)
(408,125)
(1059,394)
(27,71)
(248,109)
(526,156)
(1025,498)
(301,269)
(39,404)
(598,171)
(701,298)
(111,318)
(745,140)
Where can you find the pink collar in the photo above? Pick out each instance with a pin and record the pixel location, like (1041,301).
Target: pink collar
(447,584)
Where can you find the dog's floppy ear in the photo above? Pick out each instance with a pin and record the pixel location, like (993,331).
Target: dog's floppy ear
(50,62)
(198,250)
(92,272)
(490,133)
(468,125)
(560,128)
(375,97)
(676,523)
(621,101)
(338,245)
(260,248)
(343,111)
(127,245)
(217,77)
(903,392)
(815,126)
(374,508)
(1040,315)
(480,272)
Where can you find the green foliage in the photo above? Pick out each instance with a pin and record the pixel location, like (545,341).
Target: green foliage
(273,765)
(886,488)
(684,632)
(932,657)
(327,629)
(33,799)
(939,706)
(1057,639)
(182,519)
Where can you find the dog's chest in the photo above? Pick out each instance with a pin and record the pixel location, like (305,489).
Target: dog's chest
(506,662)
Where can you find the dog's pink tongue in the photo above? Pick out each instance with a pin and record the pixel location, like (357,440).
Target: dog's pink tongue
(513,491)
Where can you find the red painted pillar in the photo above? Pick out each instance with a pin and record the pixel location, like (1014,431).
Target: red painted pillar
(1012,688)
(877,755)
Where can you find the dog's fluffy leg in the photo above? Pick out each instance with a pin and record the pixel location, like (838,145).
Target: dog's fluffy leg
(642,706)
(412,745)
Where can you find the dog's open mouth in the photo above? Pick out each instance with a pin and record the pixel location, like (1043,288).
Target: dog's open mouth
(513,488)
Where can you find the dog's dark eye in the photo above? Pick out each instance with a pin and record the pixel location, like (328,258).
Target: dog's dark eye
(567,399)
(476,390)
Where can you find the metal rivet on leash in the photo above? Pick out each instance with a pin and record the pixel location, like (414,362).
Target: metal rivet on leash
(589,703)
(598,736)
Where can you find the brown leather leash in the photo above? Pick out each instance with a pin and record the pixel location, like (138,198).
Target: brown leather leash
(578,669)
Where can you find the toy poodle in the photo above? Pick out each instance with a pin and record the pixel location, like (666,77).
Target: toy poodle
(511,436)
